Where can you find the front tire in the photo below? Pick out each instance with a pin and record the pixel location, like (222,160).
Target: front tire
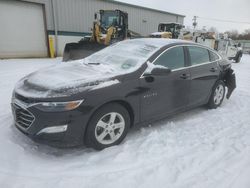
(217,95)
(108,126)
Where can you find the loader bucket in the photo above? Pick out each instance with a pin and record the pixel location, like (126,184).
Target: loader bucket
(80,50)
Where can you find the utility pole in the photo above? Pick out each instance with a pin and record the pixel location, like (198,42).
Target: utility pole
(195,21)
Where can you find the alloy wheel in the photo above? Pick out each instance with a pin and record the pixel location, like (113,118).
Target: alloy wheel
(109,128)
(218,94)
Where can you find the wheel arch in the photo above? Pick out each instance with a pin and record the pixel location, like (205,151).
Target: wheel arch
(121,102)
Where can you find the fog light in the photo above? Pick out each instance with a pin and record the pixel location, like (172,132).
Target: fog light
(55,129)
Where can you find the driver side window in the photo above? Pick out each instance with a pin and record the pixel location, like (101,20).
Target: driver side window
(172,58)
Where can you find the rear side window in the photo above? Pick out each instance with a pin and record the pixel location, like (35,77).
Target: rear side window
(172,58)
(198,55)
(213,56)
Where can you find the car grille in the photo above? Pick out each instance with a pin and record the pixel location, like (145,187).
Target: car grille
(23,117)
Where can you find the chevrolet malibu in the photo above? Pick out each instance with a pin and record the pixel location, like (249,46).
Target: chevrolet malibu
(96,100)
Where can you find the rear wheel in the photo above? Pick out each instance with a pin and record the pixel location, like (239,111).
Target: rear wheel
(108,126)
(217,95)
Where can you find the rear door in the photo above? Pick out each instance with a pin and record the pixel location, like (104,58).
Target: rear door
(169,93)
(204,73)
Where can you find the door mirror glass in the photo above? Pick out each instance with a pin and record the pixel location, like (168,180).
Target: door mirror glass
(158,71)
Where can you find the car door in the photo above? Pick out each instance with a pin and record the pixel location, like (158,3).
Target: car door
(204,73)
(166,94)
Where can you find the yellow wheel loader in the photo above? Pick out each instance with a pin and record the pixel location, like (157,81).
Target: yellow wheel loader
(168,30)
(109,26)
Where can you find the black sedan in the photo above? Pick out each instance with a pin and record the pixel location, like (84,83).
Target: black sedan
(96,100)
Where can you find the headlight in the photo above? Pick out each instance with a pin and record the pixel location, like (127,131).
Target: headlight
(58,106)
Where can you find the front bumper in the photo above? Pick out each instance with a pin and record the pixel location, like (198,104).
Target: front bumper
(37,124)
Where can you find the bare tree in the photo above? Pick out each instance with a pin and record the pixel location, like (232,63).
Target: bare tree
(233,34)
(245,35)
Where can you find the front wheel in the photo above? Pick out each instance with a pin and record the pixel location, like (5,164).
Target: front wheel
(108,126)
(217,95)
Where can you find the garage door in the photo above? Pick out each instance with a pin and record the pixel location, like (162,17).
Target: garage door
(22,30)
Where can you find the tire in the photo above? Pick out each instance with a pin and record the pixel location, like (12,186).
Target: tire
(217,95)
(238,57)
(107,127)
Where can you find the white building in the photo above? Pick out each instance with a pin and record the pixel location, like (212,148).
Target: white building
(27,25)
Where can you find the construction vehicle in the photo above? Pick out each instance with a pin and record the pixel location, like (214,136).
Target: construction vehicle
(168,30)
(109,26)
(230,49)
(222,44)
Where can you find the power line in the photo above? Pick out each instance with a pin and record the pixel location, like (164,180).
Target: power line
(228,21)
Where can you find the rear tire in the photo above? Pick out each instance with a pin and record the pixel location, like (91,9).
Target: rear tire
(217,95)
(107,127)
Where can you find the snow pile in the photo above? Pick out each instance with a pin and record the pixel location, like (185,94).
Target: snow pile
(196,149)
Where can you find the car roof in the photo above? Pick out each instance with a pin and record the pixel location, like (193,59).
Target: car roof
(162,42)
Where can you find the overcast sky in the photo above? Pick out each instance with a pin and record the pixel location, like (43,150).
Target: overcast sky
(235,10)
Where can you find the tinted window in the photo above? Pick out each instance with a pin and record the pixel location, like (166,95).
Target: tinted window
(213,56)
(172,58)
(198,55)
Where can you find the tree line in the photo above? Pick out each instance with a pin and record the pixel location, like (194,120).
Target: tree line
(235,35)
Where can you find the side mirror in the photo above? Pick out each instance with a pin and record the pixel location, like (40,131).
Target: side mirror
(95,16)
(159,71)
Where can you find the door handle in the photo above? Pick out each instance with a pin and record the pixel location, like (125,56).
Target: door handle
(213,69)
(185,76)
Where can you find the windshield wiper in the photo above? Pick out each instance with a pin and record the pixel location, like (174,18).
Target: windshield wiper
(93,63)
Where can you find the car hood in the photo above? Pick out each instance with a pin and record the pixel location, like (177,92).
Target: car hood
(66,79)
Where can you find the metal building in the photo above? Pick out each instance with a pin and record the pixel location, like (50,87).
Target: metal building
(30,28)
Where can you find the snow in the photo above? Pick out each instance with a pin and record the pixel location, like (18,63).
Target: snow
(105,84)
(197,149)
(68,78)
(151,66)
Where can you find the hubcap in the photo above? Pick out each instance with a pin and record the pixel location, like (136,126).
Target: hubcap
(109,128)
(218,94)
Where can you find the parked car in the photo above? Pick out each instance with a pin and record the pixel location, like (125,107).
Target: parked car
(96,100)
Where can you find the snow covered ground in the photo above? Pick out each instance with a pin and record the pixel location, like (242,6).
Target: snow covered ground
(197,149)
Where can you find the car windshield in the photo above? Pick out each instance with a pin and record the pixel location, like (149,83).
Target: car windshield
(109,18)
(124,56)
(166,27)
